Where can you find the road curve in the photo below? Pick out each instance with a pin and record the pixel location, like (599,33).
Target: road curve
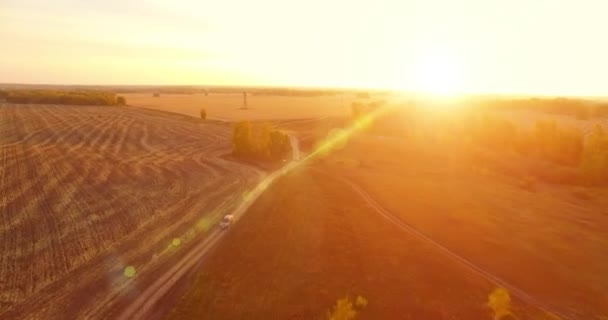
(143,305)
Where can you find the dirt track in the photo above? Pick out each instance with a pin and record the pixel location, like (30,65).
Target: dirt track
(87,191)
(517,292)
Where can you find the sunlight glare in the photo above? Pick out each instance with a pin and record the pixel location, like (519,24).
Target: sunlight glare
(438,72)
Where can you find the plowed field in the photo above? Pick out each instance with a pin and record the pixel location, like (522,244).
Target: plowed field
(86,192)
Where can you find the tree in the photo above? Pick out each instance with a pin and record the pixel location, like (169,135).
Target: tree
(345,310)
(262,142)
(500,303)
(241,139)
(280,146)
(203,114)
(121,101)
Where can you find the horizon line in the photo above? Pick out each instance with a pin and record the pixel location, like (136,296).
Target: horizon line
(310,87)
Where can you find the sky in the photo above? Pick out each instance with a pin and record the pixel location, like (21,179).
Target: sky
(550,47)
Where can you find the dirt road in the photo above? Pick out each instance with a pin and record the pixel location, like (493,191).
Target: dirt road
(144,304)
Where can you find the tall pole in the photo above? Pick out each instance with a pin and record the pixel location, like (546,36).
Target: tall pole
(244,99)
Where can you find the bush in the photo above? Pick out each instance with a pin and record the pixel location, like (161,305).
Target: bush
(156,94)
(203,114)
(345,309)
(500,303)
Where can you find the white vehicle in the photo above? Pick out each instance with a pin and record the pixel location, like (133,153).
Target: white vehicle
(227,221)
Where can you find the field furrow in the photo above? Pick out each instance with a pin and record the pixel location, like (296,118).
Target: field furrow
(87,190)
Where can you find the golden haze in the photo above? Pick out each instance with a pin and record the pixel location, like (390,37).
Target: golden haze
(544,47)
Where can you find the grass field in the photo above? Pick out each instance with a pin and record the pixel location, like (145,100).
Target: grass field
(92,196)
(311,241)
(229,106)
(548,241)
(87,191)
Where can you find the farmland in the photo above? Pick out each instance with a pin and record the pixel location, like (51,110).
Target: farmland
(228,106)
(101,205)
(92,195)
(313,238)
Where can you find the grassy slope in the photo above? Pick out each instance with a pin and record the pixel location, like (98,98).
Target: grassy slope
(309,241)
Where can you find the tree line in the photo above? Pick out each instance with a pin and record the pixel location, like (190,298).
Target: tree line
(550,150)
(260,142)
(546,140)
(79,97)
(579,108)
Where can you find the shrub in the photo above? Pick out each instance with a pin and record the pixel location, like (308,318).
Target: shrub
(344,309)
(500,303)
(156,94)
(203,114)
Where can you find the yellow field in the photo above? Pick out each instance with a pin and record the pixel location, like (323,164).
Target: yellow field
(229,106)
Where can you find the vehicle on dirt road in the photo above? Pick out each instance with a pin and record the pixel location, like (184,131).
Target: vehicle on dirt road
(227,221)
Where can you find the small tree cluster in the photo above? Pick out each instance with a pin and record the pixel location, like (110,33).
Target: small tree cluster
(345,309)
(550,142)
(261,142)
(546,140)
(579,108)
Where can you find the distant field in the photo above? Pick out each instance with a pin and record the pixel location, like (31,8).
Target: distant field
(87,191)
(228,106)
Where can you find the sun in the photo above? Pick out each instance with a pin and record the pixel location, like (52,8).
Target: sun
(438,72)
